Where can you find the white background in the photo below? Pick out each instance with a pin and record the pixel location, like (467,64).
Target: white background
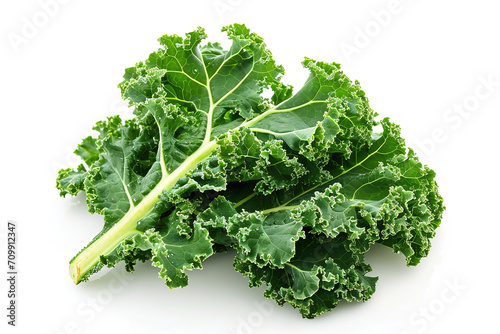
(426,65)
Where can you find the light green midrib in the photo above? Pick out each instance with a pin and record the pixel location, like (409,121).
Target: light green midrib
(89,257)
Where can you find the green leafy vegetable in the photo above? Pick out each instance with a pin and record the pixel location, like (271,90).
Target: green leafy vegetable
(299,184)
